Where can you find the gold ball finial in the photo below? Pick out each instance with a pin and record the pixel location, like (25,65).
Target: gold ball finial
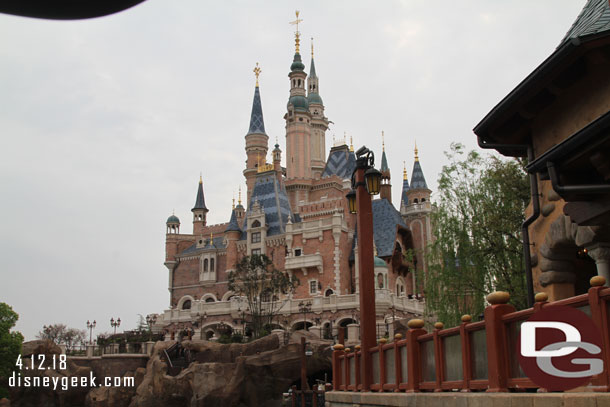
(466,318)
(233,206)
(239,196)
(382,141)
(211,238)
(383,341)
(498,297)
(338,346)
(541,297)
(357,348)
(597,281)
(398,337)
(351,144)
(297,34)
(404,170)
(347,350)
(416,323)
(439,325)
(416,152)
(257,71)
(201,178)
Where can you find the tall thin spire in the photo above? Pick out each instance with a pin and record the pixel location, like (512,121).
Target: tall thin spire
(257,124)
(416,152)
(385,170)
(382,141)
(404,170)
(351,144)
(417,175)
(239,197)
(404,198)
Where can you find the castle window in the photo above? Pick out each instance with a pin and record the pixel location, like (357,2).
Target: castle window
(256,224)
(299,83)
(313,287)
(256,252)
(186,304)
(328,292)
(423,199)
(297,252)
(256,237)
(415,200)
(205,265)
(211,264)
(209,299)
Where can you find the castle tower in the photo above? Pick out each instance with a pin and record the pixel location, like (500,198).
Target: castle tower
(319,123)
(419,191)
(386,185)
(277,161)
(199,211)
(256,139)
(298,129)
(404,198)
(173,225)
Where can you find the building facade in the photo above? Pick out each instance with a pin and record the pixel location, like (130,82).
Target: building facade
(297,216)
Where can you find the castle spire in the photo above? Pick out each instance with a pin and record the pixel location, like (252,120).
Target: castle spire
(416,151)
(297,34)
(404,200)
(199,210)
(384,159)
(417,175)
(257,124)
(200,200)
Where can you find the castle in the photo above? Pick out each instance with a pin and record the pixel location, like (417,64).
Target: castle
(297,216)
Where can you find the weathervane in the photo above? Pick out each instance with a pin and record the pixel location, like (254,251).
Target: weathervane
(257,71)
(297,34)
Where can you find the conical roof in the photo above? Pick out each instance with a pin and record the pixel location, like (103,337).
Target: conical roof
(233,224)
(384,162)
(257,124)
(417,177)
(404,200)
(200,201)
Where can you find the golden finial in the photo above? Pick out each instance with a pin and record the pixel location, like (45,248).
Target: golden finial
(404,170)
(201,178)
(382,141)
(351,144)
(297,34)
(257,71)
(239,196)
(233,200)
(416,156)
(311,47)
(212,238)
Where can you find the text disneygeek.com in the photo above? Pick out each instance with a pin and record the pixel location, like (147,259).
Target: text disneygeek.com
(64,383)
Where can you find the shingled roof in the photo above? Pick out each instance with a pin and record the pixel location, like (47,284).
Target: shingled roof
(271,195)
(417,177)
(341,162)
(233,224)
(257,124)
(593,19)
(386,220)
(200,201)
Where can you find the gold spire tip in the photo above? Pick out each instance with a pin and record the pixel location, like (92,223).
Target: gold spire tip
(239,196)
(233,207)
(297,34)
(404,170)
(212,237)
(200,178)
(257,71)
(416,152)
(351,144)
(382,141)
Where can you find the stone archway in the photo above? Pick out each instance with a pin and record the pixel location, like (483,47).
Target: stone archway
(572,254)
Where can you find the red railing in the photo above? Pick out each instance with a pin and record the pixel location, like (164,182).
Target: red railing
(472,356)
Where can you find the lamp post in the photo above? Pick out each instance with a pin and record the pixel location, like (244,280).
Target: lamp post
(366,181)
(115,324)
(151,319)
(305,351)
(90,326)
(305,307)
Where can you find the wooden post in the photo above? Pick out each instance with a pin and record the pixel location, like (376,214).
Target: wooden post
(438,356)
(413,354)
(497,347)
(466,354)
(337,374)
(397,362)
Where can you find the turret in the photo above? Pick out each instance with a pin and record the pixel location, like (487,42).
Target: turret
(418,191)
(404,198)
(256,139)
(172,225)
(386,185)
(199,211)
(319,123)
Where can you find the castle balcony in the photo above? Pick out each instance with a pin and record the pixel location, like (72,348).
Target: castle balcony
(417,208)
(303,262)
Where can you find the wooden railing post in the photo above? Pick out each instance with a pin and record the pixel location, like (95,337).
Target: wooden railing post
(438,356)
(357,367)
(346,378)
(497,347)
(382,367)
(600,318)
(466,354)
(397,362)
(338,350)
(413,357)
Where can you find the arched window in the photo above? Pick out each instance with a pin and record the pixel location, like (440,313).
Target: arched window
(256,224)
(209,299)
(205,265)
(380,280)
(211,264)
(186,304)
(415,200)
(423,199)
(328,292)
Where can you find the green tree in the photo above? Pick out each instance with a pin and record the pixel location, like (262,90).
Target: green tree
(256,278)
(10,346)
(477,227)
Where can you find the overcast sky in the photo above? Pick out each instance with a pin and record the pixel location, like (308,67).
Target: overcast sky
(106,123)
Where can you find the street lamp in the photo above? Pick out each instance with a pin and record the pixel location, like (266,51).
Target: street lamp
(115,324)
(305,307)
(366,182)
(90,326)
(151,320)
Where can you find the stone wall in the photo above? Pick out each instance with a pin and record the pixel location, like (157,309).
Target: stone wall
(111,365)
